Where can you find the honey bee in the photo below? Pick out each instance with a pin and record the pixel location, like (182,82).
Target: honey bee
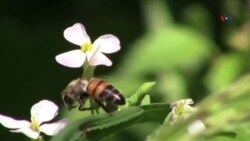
(104,94)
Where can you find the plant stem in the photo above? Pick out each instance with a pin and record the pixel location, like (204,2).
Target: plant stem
(88,71)
(156,13)
(40,138)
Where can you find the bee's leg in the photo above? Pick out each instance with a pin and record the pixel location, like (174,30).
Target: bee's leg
(97,111)
(81,106)
(91,105)
(71,107)
(102,105)
(84,109)
(81,100)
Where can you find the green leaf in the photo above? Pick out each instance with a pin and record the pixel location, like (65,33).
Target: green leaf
(225,110)
(137,97)
(243,132)
(151,113)
(96,127)
(155,112)
(221,136)
(168,48)
(100,126)
(172,86)
(225,70)
(146,100)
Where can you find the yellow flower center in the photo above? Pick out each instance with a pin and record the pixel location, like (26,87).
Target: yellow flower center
(180,109)
(86,47)
(35,124)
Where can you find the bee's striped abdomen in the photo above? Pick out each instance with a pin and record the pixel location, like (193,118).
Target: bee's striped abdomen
(102,90)
(113,95)
(96,86)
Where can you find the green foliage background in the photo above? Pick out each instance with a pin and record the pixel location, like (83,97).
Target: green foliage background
(182,45)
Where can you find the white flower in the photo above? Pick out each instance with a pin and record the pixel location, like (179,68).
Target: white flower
(196,127)
(76,34)
(180,109)
(41,112)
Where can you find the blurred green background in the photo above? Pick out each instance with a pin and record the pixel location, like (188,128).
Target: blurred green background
(182,44)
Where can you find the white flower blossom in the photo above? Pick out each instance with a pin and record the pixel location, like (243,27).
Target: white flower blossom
(41,112)
(77,35)
(180,109)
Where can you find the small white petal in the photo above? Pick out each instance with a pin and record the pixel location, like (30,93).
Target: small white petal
(28,132)
(44,111)
(72,59)
(53,128)
(196,127)
(189,108)
(107,43)
(98,59)
(184,102)
(11,123)
(76,34)
(189,101)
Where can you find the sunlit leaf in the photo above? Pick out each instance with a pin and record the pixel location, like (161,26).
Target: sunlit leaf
(225,70)
(146,100)
(170,48)
(172,86)
(225,110)
(107,123)
(155,112)
(100,126)
(136,98)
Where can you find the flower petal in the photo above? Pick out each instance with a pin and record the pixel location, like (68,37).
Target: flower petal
(196,127)
(72,59)
(107,43)
(11,123)
(53,128)
(28,132)
(76,34)
(44,111)
(98,59)
(189,101)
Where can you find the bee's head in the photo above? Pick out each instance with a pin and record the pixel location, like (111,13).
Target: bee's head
(68,101)
(74,93)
